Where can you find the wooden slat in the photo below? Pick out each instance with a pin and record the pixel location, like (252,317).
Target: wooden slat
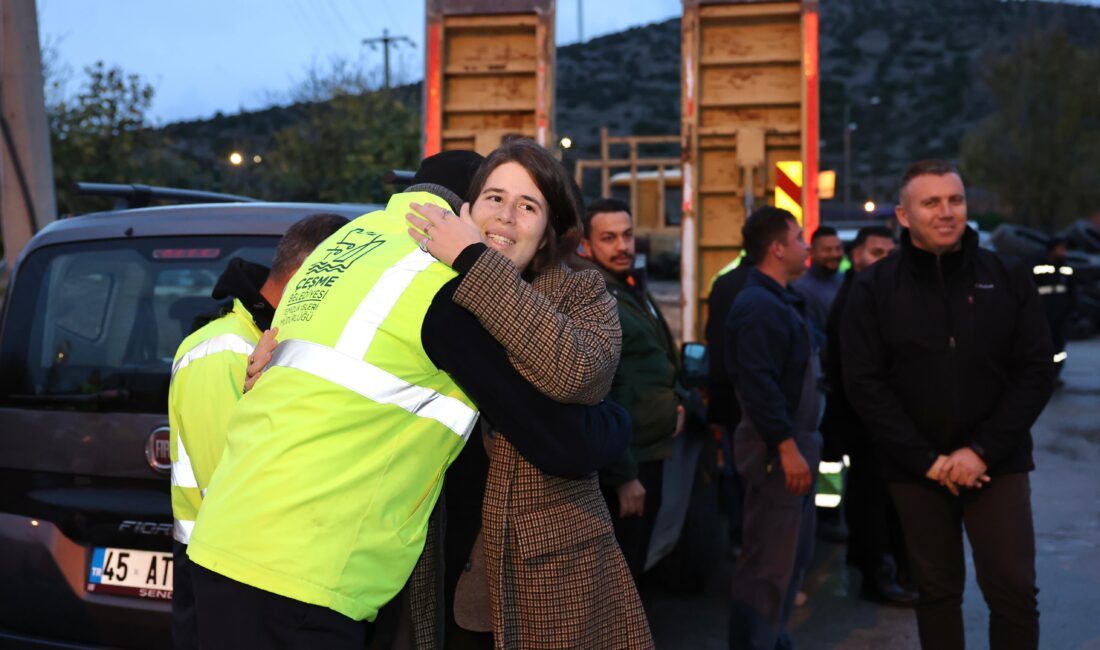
(751,42)
(644,139)
(713,11)
(482,21)
(717,61)
(470,50)
(472,122)
(721,120)
(487,110)
(491,69)
(491,94)
(756,86)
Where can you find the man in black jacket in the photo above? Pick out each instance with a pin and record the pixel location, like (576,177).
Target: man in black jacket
(948,363)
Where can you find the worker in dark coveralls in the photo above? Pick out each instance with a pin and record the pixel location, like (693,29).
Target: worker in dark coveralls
(947,359)
(774,368)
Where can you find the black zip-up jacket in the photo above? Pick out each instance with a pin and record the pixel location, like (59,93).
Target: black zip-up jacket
(947,351)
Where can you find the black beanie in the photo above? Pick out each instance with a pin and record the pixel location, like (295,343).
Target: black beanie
(448,175)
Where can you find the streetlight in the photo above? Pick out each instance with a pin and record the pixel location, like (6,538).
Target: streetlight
(236,159)
(869,207)
(257,159)
(850,126)
(567,142)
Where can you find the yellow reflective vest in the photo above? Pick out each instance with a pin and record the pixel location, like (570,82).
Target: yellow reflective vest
(335,459)
(208,376)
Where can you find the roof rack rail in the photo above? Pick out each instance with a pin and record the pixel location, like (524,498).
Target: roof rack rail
(140,196)
(399,177)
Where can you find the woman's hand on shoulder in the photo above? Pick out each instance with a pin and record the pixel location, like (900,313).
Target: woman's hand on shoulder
(442,234)
(260,357)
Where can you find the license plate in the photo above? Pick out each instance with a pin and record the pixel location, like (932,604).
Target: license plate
(129,572)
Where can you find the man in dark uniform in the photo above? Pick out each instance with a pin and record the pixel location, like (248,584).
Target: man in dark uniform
(772,360)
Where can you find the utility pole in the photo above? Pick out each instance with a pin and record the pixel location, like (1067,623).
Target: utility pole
(386,40)
(580,21)
(26,170)
(848,128)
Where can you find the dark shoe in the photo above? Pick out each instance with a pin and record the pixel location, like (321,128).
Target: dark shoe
(888,593)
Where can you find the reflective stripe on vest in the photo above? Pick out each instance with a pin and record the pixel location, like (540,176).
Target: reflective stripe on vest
(183,475)
(356,338)
(213,345)
(183,472)
(181,530)
(374,383)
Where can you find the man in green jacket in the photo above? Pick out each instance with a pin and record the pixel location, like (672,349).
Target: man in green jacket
(645,383)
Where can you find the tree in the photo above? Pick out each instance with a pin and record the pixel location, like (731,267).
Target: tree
(96,134)
(102,134)
(349,136)
(1040,150)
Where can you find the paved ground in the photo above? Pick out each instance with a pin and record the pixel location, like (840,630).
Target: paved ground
(1066,501)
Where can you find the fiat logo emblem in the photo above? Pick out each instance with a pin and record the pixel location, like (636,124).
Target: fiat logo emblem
(158,450)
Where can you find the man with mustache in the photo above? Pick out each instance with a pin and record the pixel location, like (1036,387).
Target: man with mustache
(645,383)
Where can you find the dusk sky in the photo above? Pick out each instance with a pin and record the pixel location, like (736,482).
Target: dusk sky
(203,56)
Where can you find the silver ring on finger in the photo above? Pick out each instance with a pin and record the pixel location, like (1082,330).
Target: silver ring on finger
(424,245)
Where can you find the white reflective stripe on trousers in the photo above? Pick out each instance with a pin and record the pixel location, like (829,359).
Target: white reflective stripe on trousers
(214,345)
(183,475)
(360,329)
(374,383)
(181,530)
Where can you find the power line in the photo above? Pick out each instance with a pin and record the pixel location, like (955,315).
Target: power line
(339,18)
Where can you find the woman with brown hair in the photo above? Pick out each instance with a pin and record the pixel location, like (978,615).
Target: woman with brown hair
(556,577)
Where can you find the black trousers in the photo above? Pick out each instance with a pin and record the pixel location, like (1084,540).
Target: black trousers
(873,526)
(185,631)
(998,523)
(235,615)
(633,533)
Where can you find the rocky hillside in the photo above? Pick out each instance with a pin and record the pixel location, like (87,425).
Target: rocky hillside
(909,72)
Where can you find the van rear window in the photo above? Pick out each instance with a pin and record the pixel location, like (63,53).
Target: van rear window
(95,325)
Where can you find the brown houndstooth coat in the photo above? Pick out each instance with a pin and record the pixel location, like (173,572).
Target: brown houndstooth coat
(557,578)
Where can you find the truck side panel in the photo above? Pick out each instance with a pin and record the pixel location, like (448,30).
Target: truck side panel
(747,104)
(489,73)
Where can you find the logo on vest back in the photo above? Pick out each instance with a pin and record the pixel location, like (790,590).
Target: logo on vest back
(322,275)
(349,250)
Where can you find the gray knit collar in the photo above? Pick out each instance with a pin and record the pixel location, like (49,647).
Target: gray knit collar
(452,199)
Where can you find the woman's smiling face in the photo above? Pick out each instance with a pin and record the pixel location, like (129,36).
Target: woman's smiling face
(511,213)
